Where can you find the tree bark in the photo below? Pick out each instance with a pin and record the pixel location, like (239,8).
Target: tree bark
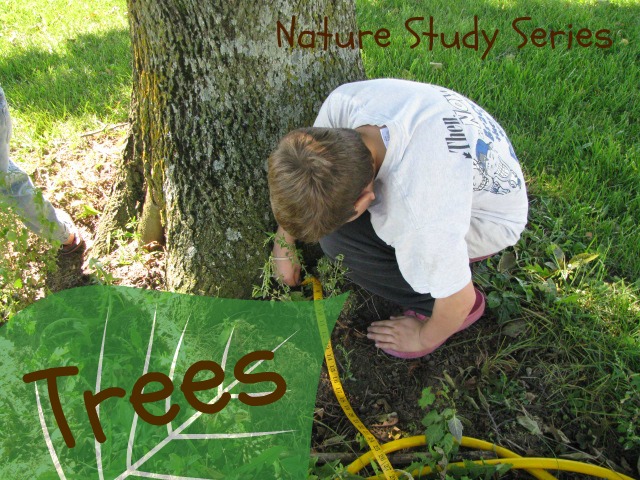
(213,94)
(125,199)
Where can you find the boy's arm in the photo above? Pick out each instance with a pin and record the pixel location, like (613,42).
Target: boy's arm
(408,334)
(287,266)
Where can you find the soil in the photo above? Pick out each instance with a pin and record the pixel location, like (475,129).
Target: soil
(502,400)
(500,397)
(381,387)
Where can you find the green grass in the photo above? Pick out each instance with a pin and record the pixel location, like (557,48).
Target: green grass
(65,66)
(572,116)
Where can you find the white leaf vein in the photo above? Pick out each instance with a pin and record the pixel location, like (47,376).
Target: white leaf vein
(176,434)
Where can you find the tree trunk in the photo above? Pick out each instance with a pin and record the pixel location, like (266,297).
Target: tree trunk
(213,94)
(125,199)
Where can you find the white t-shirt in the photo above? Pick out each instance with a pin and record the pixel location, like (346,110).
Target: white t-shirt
(450,187)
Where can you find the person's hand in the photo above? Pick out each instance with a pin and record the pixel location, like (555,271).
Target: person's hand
(401,334)
(286,265)
(410,334)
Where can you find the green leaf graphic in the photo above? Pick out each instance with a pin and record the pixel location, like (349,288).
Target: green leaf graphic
(121,339)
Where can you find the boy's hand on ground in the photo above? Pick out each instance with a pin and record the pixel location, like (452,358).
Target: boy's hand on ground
(287,268)
(398,333)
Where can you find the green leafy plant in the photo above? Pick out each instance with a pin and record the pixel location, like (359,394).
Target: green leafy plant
(629,423)
(270,287)
(25,263)
(346,363)
(126,242)
(332,275)
(443,432)
(100,274)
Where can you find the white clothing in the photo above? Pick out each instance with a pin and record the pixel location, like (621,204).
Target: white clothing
(450,187)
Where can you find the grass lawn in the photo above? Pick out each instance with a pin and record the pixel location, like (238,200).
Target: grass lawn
(66,69)
(566,299)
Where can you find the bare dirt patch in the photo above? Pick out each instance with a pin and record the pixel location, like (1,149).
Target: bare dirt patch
(501,398)
(77,176)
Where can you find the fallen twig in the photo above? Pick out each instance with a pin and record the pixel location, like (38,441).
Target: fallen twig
(104,129)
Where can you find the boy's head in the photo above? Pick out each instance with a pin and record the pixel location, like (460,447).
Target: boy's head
(316,175)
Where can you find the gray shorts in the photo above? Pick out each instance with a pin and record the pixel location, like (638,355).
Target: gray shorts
(372,264)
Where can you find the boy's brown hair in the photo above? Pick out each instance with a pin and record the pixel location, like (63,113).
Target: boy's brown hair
(315,177)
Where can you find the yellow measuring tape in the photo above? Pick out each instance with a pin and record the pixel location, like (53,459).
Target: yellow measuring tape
(375,447)
(535,466)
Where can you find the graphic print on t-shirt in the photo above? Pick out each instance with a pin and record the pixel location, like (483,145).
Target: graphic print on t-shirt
(491,173)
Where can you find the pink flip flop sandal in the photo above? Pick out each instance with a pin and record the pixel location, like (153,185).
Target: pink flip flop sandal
(476,312)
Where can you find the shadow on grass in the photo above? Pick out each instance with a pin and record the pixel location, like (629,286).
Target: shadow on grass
(88,75)
(573,115)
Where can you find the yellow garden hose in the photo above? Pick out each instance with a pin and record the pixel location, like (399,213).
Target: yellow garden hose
(468,442)
(535,466)
(531,465)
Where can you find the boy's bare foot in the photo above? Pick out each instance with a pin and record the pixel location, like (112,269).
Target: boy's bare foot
(476,312)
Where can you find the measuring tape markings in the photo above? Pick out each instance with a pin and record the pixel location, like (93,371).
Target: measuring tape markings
(332,368)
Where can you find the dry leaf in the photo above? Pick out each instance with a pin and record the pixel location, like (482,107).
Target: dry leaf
(578,456)
(559,435)
(386,420)
(455,428)
(381,402)
(449,380)
(530,424)
(582,259)
(514,329)
(335,440)
(507,262)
